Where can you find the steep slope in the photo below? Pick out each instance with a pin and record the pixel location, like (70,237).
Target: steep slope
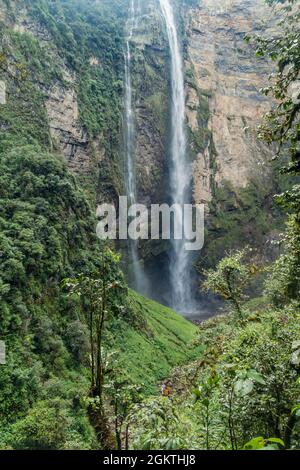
(165,340)
(70,55)
(232,174)
(43,406)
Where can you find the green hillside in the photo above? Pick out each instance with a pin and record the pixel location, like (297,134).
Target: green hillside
(164,341)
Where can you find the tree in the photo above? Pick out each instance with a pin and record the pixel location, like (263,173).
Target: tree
(123,395)
(230,279)
(203,396)
(43,428)
(101,295)
(282,285)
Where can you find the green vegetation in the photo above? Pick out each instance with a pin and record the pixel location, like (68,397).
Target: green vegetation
(230,279)
(47,234)
(201,138)
(240,217)
(281,124)
(85,355)
(86,43)
(244,386)
(165,339)
(150,94)
(244,391)
(89,31)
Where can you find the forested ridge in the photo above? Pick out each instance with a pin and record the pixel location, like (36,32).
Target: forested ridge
(91,364)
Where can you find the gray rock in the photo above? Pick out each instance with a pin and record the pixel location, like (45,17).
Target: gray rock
(2,92)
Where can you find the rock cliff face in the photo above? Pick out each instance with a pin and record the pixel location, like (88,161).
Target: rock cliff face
(224,105)
(223,102)
(67,135)
(150,78)
(224,80)
(2,92)
(82,153)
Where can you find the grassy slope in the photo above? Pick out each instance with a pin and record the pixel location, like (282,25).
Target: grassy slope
(148,354)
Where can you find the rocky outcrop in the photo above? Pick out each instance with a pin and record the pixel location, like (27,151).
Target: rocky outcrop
(67,133)
(225,75)
(62,108)
(69,137)
(224,104)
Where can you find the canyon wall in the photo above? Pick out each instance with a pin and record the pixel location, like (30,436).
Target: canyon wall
(224,104)
(223,95)
(79,84)
(82,97)
(150,76)
(61,101)
(232,174)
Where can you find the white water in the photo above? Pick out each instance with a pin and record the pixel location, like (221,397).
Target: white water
(139,281)
(130,176)
(180,174)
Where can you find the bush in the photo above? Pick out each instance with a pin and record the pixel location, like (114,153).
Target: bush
(230,279)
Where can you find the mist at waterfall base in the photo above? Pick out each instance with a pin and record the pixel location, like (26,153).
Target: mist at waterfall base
(169,278)
(157,271)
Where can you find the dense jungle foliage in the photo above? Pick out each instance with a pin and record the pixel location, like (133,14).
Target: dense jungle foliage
(86,357)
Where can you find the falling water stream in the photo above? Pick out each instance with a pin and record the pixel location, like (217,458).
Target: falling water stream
(180,172)
(130,173)
(137,276)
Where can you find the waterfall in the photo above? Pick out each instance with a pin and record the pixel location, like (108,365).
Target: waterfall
(180,171)
(130,176)
(137,277)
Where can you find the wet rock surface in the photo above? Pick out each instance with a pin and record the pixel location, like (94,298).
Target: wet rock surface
(229,76)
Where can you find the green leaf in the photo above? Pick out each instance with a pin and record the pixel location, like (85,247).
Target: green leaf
(243,387)
(276,440)
(197,392)
(259,443)
(269,447)
(256,376)
(296,410)
(255,444)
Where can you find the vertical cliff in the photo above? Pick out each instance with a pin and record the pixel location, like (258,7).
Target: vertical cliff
(232,174)
(224,104)
(71,58)
(63,69)
(151,101)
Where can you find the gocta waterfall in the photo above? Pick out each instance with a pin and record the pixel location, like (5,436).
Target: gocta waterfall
(129,138)
(180,173)
(180,296)
(138,279)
